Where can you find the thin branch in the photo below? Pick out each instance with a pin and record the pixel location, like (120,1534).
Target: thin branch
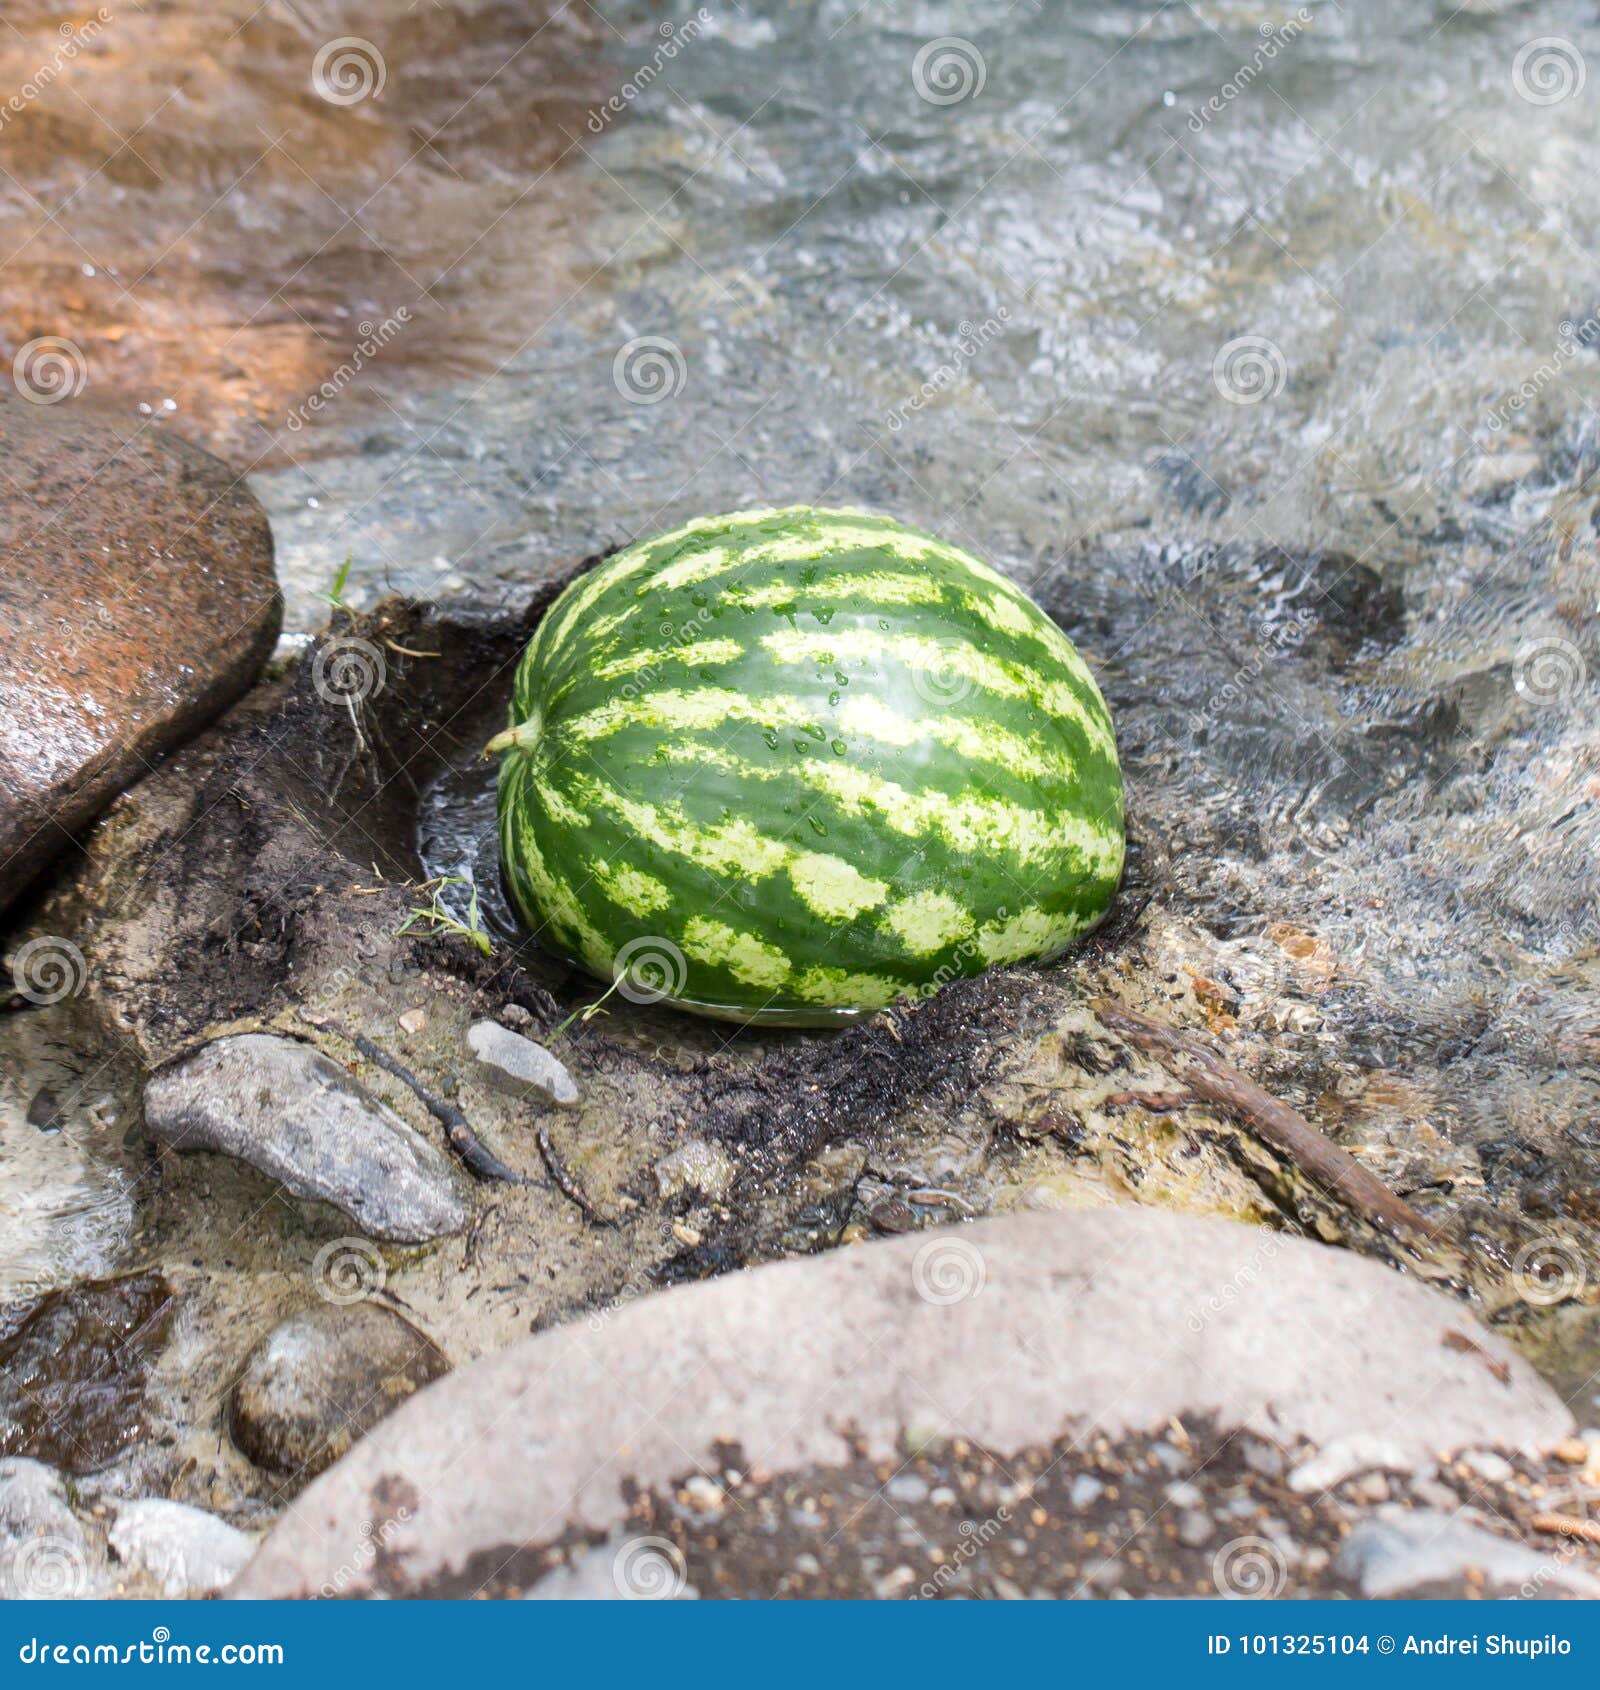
(458,1129)
(565,1183)
(1308,1147)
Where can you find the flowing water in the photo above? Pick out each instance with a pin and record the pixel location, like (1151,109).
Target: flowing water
(1261,341)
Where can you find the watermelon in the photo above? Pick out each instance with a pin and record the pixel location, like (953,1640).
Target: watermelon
(792,765)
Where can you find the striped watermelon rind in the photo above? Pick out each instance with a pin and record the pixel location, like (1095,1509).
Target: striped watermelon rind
(792,765)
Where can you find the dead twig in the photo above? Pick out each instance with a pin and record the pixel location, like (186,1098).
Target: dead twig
(563,1178)
(458,1129)
(1156,1102)
(1213,1080)
(1567,1525)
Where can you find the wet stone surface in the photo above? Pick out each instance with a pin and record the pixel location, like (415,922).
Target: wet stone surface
(322,1379)
(139,601)
(73,1371)
(299,1118)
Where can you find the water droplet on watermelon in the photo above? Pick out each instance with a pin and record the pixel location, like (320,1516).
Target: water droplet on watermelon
(833,697)
(698,599)
(819,827)
(772,739)
(816,730)
(823,616)
(839,747)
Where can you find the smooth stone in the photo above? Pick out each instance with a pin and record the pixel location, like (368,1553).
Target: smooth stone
(695,1166)
(522,1060)
(1492,1468)
(184,1551)
(1403,1550)
(1084,1317)
(43,1550)
(1086,1491)
(138,600)
(289,1111)
(1344,1458)
(322,1379)
(1195,1529)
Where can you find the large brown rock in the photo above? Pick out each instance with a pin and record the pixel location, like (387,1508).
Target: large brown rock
(137,601)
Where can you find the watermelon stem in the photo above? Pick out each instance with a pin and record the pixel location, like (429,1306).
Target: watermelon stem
(523,736)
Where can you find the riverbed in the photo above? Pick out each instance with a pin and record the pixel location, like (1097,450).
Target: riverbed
(1261,343)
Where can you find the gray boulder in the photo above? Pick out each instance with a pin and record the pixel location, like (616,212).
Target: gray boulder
(1010,1333)
(289,1111)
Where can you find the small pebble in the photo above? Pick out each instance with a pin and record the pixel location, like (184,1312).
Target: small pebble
(413,1021)
(1265,1459)
(1369,1488)
(1195,1529)
(891,1584)
(1086,1491)
(906,1487)
(705,1495)
(521,1059)
(1487,1465)
(695,1166)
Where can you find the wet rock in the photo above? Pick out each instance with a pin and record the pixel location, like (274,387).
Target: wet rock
(72,1373)
(1401,1551)
(289,1111)
(324,1378)
(521,1059)
(695,1166)
(1308,1350)
(43,1549)
(182,1551)
(139,601)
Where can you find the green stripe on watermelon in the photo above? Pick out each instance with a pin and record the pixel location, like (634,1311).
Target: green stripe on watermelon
(811,761)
